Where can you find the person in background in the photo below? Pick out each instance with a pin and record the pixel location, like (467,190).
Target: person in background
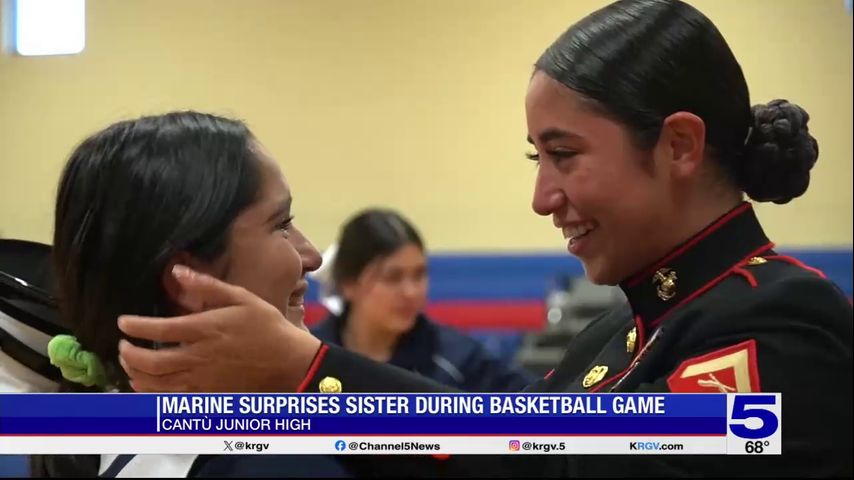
(379,270)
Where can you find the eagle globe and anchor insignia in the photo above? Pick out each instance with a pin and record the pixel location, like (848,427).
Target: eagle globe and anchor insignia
(665,282)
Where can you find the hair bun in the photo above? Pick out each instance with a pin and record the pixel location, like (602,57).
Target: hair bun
(780,152)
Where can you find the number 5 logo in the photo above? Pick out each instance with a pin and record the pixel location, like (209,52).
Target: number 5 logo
(746,407)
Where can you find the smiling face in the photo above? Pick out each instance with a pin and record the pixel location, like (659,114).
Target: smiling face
(611,200)
(267,254)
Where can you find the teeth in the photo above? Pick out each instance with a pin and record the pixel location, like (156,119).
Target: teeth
(578,230)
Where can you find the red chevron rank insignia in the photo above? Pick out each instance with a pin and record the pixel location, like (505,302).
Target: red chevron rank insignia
(728,370)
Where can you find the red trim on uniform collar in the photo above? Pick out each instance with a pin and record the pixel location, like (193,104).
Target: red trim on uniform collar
(712,283)
(633,281)
(695,266)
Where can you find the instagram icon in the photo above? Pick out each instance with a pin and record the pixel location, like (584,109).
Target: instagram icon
(514,445)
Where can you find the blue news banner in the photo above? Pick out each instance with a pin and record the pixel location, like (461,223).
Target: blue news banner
(515,424)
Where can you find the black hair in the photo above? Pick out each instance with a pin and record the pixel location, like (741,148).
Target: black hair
(642,60)
(130,198)
(369,235)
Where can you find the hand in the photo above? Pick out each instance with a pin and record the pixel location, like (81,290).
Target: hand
(235,342)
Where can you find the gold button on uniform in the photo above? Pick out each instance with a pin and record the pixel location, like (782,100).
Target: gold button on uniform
(632,340)
(330,385)
(756,261)
(595,376)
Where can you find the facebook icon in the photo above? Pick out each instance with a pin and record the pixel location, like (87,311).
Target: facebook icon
(340,445)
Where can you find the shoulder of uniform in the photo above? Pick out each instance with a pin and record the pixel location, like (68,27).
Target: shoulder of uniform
(789,318)
(784,274)
(770,267)
(779,290)
(776,271)
(802,289)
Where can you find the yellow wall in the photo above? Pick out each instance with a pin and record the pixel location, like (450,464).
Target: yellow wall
(412,103)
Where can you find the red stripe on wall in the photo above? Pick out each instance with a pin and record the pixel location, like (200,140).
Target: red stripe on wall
(470,315)
(492,315)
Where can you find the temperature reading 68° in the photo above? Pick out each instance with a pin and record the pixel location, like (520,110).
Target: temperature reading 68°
(757,446)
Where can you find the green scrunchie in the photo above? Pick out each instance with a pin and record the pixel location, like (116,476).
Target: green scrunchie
(76,364)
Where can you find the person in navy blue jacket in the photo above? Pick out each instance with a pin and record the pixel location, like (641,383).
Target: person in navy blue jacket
(379,272)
